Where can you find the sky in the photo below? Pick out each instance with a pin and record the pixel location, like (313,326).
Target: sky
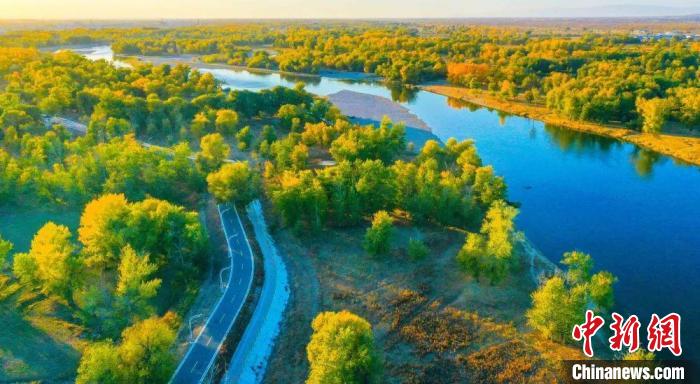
(189,9)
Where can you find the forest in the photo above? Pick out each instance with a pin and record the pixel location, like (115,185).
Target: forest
(598,76)
(161,140)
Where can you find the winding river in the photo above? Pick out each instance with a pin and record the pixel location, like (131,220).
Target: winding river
(637,212)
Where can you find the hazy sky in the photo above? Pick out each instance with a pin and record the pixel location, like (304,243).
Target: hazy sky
(157,9)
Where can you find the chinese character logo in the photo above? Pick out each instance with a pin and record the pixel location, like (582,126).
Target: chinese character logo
(665,333)
(662,333)
(624,333)
(587,330)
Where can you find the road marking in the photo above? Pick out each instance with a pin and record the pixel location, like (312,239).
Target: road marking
(194,366)
(239,280)
(208,341)
(222,318)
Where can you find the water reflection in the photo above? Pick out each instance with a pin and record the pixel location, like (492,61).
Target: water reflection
(456,103)
(644,161)
(310,80)
(402,94)
(580,142)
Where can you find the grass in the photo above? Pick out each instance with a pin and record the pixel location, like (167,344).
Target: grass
(36,342)
(679,143)
(432,322)
(19,226)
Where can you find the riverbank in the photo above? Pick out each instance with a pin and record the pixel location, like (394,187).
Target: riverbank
(684,148)
(196,62)
(364,108)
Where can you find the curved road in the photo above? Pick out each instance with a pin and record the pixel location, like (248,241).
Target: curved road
(201,355)
(249,361)
(196,363)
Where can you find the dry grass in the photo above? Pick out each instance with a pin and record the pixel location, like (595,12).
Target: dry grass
(433,323)
(680,144)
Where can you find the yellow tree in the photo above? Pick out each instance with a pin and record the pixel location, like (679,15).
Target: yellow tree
(234,183)
(226,121)
(654,113)
(100,224)
(213,152)
(51,263)
(342,350)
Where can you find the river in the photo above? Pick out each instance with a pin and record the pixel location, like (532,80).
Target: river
(635,211)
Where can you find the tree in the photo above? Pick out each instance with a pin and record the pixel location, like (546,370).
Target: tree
(378,236)
(487,186)
(145,351)
(53,255)
(579,267)
(101,223)
(226,121)
(654,113)
(556,308)
(490,252)
(342,350)
(560,302)
(100,365)
(417,250)
(213,152)
(234,183)
(5,248)
(142,357)
(135,285)
(244,137)
(300,199)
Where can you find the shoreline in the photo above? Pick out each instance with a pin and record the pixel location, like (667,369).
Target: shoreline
(683,148)
(195,61)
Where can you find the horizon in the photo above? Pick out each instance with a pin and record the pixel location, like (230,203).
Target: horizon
(215,10)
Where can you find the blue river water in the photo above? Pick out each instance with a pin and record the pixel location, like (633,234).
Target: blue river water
(635,211)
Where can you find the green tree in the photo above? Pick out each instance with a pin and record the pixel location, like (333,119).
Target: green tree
(145,351)
(417,250)
(142,357)
(100,365)
(342,350)
(5,248)
(300,199)
(490,252)
(378,237)
(244,137)
(561,301)
(487,186)
(135,285)
(213,152)
(234,183)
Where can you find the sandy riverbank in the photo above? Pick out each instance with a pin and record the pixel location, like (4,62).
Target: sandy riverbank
(684,148)
(370,109)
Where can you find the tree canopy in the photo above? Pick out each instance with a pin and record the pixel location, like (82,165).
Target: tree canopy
(342,350)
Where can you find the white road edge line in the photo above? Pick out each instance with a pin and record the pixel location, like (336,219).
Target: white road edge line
(250,283)
(189,350)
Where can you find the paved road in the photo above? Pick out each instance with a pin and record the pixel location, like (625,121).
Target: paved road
(202,353)
(72,125)
(249,361)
